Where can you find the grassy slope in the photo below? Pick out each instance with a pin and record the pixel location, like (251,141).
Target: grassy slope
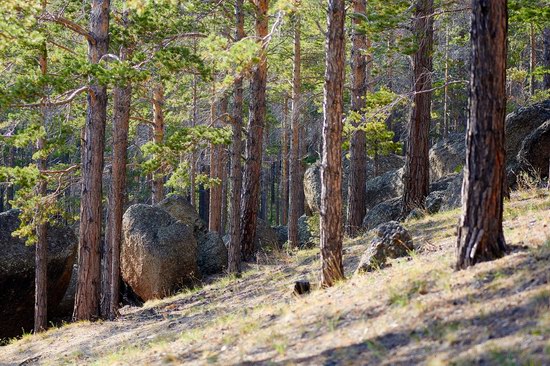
(417,311)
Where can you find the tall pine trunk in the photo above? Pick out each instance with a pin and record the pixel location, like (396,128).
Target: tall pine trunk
(417,174)
(546,57)
(358,145)
(253,163)
(480,235)
(331,228)
(122,96)
(234,249)
(294,183)
(158,138)
(86,305)
(284,164)
(41,250)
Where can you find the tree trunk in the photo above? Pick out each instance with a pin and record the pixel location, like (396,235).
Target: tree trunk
(158,138)
(253,163)
(89,276)
(532,59)
(480,235)
(41,250)
(446,87)
(122,96)
(294,183)
(234,248)
(285,167)
(358,145)
(416,180)
(331,166)
(215,211)
(546,58)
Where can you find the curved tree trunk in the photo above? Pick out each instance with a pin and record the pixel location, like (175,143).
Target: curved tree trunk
(480,235)
(253,163)
(234,249)
(331,167)
(416,180)
(86,305)
(294,182)
(358,149)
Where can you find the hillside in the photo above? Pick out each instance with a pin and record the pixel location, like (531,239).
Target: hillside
(419,310)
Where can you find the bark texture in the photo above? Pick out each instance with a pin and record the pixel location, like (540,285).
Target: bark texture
(158,137)
(480,235)
(89,276)
(234,249)
(416,180)
(358,149)
(253,163)
(331,227)
(295,181)
(546,57)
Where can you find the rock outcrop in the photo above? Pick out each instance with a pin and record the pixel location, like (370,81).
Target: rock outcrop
(391,241)
(17,266)
(384,187)
(159,253)
(447,156)
(389,210)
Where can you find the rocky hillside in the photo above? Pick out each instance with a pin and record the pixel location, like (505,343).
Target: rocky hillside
(417,309)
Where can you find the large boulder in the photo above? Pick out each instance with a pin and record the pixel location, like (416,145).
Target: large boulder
(534,154)
(447,156)
(446,194)
(304,233)
(159,253)
(384,187)
(312,187)
(180,208)
(389,210)
(212,253)
(386,164)
(391,241)
(522,123)
(17,266)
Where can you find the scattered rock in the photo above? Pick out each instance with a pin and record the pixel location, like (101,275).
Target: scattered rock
(391,241)
(158,254)
(383,212)
(17,266)
(447,156)
(301,287)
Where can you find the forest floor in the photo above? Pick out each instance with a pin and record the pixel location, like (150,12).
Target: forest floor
(417,311)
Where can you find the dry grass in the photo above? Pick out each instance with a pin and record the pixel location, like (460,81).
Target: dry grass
(419,310)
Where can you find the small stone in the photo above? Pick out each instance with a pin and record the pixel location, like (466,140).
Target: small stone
(301,287)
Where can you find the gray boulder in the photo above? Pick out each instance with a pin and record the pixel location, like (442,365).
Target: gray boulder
(389,210)
(534,154)
(312,187)
(447,156)
(212,254)
(304,233)
(384,187)
(522,123)
(17,267)
(158,254)
(391,241)
(386,164)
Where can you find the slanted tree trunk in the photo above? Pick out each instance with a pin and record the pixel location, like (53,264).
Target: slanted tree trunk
(122,96)
(41,250)
(89,277)
(416,179)
(284,163)
(253,163)
(358,145)
(480,235)
(546,58)
(234,248)
(158,137)
(331,228)
(294,183)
